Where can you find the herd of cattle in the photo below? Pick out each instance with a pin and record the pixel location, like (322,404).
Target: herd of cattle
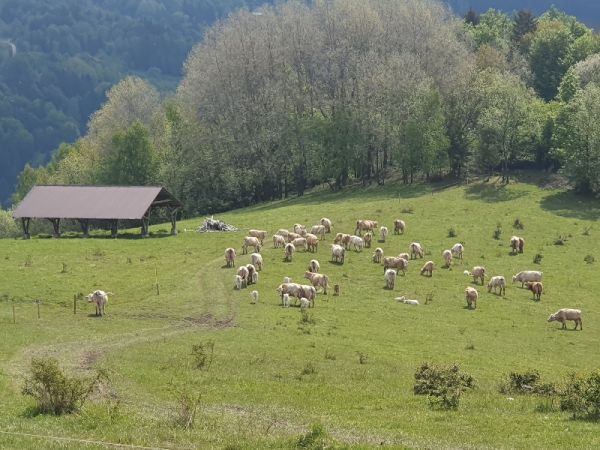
(306,294)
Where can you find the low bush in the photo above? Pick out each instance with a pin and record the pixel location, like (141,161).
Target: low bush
(537,259)
(203,354)
(581,396)
(314,439)
(442,384)
(518,224)
(520,383)
(54,391)
(451,232)
(589,259)
(186,409)
(8,226)
(498,232)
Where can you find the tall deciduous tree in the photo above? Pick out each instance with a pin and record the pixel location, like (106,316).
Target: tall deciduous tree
(131,159)
(580,139)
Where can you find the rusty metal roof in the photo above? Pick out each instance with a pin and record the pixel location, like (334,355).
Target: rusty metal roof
(93,202)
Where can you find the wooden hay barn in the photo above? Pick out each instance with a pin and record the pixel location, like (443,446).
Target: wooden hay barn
(85,203)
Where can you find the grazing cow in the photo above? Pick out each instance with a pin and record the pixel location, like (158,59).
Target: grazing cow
(318,230)
(100,299)
(318,280)
(378,255)
(230,257)
(477,272)
(291,236)
(447,256)
(393,262)
(278,241)
(244,274)
(564,314)
(314,266)
(282,232)
(300,242)
(254,296)
(327,224)
(304,303)
(415,250)
(257,260)
(471,295)
(366,225)
(399,226)
(338,253)
(357,242)
(238,282)
(299,229)
(405,256)
(312,242)
(368,238)
(251,272)
(427,268)
(260,234)
(537,288)
(390,278)
(528,276)
(517,244)
(497,282)
(458,250)
(289,252)
(251,241)
(383,233)
(285,300)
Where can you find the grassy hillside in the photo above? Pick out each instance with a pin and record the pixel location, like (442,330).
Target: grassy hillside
(273,375)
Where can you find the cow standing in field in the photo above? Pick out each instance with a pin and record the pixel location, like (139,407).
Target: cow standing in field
(100,299)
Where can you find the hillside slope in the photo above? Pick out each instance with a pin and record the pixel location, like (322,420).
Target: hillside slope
(348,364)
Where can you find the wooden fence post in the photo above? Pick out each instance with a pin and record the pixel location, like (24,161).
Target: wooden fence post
(14,316)
(75,304)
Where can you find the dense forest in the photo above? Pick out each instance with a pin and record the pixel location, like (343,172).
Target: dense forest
(586,11)
(58,58)
(284,98)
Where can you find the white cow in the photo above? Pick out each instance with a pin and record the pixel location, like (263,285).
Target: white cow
(100,299)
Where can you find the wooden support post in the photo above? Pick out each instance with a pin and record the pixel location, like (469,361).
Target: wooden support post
(146,224)
(25,221)
(85,227)
(56,226)
(173,222)
(114,228)
(156,278)
(38,308)
(75,304)
(14,315)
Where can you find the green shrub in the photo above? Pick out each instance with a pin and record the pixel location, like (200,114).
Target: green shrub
(581,396)
(203,354)
(589,259)
(537,259)
(442,384)
(314,439)
(187,407)
(8,226)
(54,391)
(518,224)
(451,232)
(498,232)
(520,383)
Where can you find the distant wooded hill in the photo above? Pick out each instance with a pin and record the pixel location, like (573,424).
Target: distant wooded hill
(586,11)
(59,57)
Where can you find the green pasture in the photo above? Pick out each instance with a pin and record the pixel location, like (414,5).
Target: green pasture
(348,367)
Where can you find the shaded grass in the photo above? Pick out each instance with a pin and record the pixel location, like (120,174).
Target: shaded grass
(252,396)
